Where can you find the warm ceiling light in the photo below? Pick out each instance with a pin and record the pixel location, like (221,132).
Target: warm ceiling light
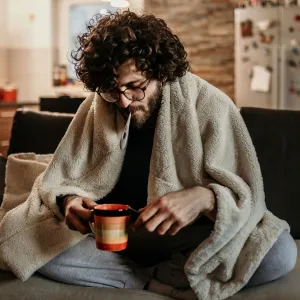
(119,3)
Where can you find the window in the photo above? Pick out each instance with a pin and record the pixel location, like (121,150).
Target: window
(79,16)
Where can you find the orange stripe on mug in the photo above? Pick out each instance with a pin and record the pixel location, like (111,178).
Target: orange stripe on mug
(110,226)
(110,247)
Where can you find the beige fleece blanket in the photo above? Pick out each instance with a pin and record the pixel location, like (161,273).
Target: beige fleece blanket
(200,139)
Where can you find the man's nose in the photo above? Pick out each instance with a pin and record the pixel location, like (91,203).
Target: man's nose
(124,102)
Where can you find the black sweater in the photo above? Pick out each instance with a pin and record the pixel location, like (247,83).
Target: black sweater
(131,187)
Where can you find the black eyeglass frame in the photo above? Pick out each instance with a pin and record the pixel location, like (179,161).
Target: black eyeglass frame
(123,92)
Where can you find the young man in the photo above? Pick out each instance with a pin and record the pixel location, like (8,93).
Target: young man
(163,141)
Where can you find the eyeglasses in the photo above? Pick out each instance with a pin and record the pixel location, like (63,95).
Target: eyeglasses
(132,93)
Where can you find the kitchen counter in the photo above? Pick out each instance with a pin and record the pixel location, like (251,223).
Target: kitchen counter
(17,104)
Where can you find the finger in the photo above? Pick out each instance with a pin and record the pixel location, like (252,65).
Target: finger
(82,213)
(156,220)
(74,223)
(142,209)
(145,216)
(165,226)
(88,203)
(72,227)
(175,228)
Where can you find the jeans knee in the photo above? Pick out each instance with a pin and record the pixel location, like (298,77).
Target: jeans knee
(283,254)
(279,261)
(291,251)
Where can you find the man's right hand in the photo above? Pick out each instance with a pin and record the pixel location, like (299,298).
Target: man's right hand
(78,213)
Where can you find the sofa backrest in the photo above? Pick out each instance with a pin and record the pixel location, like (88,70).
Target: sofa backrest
(38,132)
(276,137)
(275,134)
(63,104)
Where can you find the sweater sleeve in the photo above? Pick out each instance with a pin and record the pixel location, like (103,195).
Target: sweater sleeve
(231,162)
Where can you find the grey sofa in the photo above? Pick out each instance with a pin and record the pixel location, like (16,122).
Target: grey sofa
(276,136)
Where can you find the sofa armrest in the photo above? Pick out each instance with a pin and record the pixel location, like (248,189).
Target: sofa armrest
(3,161)
(276,138)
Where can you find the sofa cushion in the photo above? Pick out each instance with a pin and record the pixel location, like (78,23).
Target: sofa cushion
(276,137)
(38,132)
(38,287)
(285,288)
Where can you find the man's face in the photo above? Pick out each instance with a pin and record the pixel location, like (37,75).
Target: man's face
(129,77)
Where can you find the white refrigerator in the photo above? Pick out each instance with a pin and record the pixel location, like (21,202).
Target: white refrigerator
(267,57)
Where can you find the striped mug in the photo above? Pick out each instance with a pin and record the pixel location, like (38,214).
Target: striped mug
(110,226)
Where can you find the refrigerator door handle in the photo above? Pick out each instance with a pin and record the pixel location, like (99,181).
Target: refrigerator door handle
(283,77)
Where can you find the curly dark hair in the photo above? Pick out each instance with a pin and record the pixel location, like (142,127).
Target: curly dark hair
(112,39)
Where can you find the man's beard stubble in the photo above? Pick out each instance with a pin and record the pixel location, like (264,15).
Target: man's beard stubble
(154,101)
(149,112)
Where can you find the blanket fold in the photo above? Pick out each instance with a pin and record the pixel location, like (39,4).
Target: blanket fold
(200,140)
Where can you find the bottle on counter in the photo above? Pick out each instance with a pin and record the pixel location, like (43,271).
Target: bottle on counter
(9,92)
(56,75)
(63,75)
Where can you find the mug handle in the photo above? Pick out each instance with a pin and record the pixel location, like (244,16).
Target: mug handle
(92,226)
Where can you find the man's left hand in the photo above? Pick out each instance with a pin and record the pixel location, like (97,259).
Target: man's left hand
(175,210)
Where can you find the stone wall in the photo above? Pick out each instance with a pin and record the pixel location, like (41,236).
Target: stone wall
(206,28)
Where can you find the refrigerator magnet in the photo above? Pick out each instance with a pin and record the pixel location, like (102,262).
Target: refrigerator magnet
(245,59)
(290,2)
(250,73)
(269,39)
(269,68)
(266,39)
(266,24)
(254,2)
(241,4)
(246,28)
(255,45)
(267,51)
(291,90)
(297,18)
(295,51)
(262,38)
(291,29)
(292,63)
(294,43)
(261,79)
(264,3)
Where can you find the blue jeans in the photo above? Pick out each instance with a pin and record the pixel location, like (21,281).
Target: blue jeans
(85,265)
